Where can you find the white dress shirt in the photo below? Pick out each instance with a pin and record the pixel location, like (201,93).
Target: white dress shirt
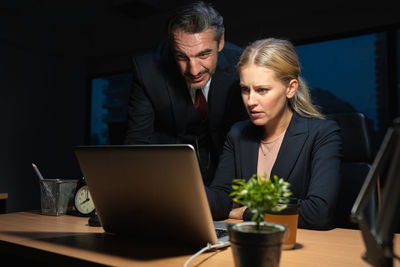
(205,90)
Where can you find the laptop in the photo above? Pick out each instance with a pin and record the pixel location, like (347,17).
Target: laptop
(153,192)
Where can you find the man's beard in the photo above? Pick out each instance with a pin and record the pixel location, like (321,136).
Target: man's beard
(195,87)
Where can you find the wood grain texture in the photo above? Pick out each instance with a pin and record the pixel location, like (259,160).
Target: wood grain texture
(67,237)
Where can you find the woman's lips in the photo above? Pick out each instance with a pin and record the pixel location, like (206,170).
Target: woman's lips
(255,114)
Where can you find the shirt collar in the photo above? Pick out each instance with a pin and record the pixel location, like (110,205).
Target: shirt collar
(205,89)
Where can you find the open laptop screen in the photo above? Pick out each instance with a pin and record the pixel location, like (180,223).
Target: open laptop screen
(149,190)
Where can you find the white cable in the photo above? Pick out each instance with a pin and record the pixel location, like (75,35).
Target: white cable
(197,254)
(208,247)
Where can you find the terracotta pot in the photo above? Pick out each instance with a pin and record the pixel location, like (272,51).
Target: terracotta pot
(289,218)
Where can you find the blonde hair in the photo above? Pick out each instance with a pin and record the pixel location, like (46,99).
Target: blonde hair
(281,57)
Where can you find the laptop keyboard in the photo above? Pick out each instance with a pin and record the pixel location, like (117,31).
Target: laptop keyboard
(221,233)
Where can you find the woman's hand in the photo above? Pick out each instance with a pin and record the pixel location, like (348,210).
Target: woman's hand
(237,213)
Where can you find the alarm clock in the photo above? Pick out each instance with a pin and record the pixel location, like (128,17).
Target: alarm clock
(83,202)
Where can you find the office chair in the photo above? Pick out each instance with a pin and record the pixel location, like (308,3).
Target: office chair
(357,156)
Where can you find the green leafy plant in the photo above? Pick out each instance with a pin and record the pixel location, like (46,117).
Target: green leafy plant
(261,195)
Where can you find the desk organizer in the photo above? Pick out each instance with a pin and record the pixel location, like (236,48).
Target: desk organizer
(56,195)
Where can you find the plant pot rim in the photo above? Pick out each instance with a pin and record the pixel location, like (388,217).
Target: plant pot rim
(275,227)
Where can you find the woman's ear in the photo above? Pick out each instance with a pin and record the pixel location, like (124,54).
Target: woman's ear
(292,88)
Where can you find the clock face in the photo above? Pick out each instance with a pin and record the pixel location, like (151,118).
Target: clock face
(83,201)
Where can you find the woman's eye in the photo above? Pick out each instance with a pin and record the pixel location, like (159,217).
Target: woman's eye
(244,90)
(262,90)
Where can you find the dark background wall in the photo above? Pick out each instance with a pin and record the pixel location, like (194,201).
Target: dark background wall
(50,49)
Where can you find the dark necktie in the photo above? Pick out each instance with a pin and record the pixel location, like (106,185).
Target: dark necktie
(200,103)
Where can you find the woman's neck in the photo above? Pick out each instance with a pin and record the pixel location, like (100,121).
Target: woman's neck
(274,129)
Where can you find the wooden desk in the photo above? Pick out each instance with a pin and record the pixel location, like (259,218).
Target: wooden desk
(66,240)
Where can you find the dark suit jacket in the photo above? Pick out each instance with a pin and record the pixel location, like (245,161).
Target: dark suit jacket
(309,159)
(160,101)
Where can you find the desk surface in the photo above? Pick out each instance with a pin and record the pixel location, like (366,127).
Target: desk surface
(70,238)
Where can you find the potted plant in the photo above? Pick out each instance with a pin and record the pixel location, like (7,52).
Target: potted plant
(258,243)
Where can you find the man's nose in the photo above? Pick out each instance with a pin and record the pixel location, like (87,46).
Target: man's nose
(193,67)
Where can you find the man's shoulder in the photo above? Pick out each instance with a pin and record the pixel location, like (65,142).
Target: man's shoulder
(231,53)
(153,60)
(232,48)
(155,52)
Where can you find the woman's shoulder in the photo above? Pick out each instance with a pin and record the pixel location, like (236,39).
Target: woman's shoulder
(322,128)
(327,124)
(315,124)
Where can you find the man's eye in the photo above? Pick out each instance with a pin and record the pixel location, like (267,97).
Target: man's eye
(181,57)
(204,55)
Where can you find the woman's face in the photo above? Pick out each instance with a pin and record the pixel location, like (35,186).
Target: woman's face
(264,96)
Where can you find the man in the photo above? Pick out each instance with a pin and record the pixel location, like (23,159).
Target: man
(166,107)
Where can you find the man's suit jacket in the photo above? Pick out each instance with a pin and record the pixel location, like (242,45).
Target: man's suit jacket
(309,159)
(160,101)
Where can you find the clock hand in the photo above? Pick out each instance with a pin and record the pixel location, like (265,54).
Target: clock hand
(85,201)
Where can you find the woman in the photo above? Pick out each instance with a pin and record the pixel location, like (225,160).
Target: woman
(285,136)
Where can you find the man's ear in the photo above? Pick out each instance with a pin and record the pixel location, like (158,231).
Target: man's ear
(221,43)
(292,88)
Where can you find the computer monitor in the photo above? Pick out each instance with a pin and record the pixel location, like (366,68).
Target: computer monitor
(378,238)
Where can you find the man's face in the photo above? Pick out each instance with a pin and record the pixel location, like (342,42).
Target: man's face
(196,55)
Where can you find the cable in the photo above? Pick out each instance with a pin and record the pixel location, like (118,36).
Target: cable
(208,247)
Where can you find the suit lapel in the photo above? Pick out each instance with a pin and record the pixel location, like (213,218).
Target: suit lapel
(219,90)
(249,152)
(295,137)
(178,94)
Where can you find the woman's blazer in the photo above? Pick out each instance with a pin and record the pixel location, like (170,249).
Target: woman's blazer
(309,159)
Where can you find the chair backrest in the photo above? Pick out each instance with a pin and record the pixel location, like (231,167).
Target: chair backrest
(357,156)
(356,135)
(353,177)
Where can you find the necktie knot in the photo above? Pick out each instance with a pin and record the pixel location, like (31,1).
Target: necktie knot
(200,103)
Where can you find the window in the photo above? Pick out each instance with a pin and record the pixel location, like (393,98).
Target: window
(109,108)
(349,74)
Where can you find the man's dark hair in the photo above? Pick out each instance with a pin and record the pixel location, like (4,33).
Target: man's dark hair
(195,18)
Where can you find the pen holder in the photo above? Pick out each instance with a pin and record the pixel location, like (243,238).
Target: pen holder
(55,195)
